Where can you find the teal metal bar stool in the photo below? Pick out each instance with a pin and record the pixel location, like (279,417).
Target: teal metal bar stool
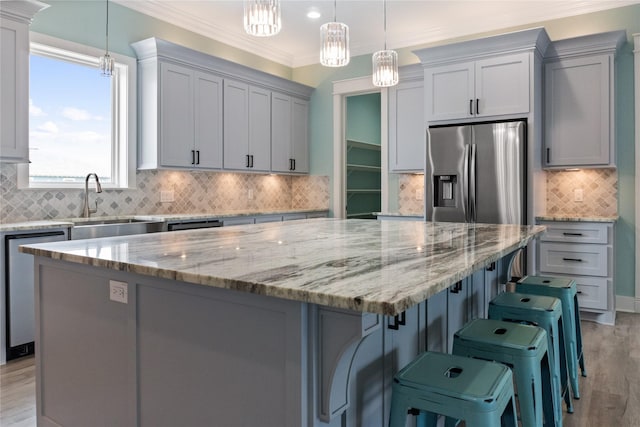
(476,391)
(545,312)
(566,291)
(522,347)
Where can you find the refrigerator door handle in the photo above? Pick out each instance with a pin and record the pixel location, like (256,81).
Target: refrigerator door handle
(472,184)
(465,184)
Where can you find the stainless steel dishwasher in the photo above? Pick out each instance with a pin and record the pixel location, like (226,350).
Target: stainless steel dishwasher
(19,282)
(193,224)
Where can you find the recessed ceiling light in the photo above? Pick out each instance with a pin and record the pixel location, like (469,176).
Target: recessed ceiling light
(313,13)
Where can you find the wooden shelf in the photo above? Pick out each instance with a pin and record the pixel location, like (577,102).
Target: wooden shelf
(364,145)
(363,168)
(363,191)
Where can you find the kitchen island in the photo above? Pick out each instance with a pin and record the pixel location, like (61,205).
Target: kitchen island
(280,324)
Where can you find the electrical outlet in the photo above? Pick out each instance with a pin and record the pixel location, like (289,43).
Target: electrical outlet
(118,291)
(418,194)
(166,196)
(578,195)
(250,194)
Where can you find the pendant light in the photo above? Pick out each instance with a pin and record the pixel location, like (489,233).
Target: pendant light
(385,62)
(106,61)
(334,43)
(262,17)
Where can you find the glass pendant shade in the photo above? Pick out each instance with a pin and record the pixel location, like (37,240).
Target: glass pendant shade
(334,44)
(262,17)
(385,68)
(106,65)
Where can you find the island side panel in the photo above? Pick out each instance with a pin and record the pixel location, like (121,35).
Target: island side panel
(85,354)
(175,354)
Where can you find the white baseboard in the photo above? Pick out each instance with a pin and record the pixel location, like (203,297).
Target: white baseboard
(628,304)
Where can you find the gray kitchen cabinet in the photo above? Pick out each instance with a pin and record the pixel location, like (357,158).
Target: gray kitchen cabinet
(289,134)
(247,127)
(583,251)
(488,87)
(181,117)
(229,116)
(407,126)
(579,101)
(15,18)
(190,111)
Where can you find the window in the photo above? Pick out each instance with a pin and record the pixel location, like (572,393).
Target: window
(79,121)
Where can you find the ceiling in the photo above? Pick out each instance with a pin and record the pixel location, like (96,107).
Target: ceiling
(409,22)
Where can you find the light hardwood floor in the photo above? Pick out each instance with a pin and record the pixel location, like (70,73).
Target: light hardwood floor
(610,395)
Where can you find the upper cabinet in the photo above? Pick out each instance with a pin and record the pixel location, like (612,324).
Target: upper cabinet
(407,125)
(579,101)
(15,17)
(289,134)
(481,79)
(199,111)
(489,87)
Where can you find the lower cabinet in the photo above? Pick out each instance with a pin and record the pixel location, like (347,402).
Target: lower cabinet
(583,251)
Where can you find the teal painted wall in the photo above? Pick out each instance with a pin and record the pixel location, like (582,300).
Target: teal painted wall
(83,22)
(363,118)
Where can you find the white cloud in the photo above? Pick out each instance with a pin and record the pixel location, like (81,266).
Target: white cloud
(34,110)
(78,114)
(48,127)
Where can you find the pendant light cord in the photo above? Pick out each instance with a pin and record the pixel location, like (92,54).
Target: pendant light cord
(384,17)
(107,28)
(335,5)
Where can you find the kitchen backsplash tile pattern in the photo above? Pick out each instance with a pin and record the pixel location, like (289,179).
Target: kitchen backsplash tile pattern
(194,192)
(410,185)
(599,190)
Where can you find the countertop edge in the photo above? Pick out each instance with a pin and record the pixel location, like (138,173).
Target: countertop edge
(566,218)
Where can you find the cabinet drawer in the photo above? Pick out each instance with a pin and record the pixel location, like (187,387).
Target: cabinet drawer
(589,260)
(592,292)
(575,232)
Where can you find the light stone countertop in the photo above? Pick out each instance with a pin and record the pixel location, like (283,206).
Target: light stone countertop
(69,222)
(577,218)
(380,267)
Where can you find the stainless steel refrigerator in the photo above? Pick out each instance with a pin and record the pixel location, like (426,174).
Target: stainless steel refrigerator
(477,173)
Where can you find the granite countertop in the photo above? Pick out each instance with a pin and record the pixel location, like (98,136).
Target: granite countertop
(398,214)
(380,267)
(577,218)
(69,222)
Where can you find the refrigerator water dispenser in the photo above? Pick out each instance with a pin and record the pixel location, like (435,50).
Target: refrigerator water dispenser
(444,194)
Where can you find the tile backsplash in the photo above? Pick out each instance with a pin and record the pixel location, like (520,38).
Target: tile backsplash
(599,188)
(194,192)
(408,186)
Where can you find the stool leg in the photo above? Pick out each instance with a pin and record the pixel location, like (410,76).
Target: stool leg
(509,417)
(565,389)
(529,396)
(571,346)
(579,338)
(551,417)
(427,419)
(398,412)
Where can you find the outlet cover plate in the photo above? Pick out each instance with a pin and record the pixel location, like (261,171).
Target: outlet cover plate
(118,291)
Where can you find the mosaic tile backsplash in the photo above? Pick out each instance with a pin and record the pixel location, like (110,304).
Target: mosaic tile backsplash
(194,192)
(408,203)
(599,188)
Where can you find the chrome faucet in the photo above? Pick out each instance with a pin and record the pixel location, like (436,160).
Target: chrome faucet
(86,210)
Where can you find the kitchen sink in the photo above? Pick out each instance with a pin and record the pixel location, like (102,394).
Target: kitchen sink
(92,228)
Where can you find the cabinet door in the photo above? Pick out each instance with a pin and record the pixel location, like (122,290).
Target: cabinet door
(236,125)
(176,115)
(300,135)
(407,128)
(502,85)
(14,86)
(208,120)
(449,90)
(577,111)
(281,156)
(259,129)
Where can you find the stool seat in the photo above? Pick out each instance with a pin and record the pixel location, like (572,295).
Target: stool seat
(545,312)
(566,291)
(524,348)
(479,392)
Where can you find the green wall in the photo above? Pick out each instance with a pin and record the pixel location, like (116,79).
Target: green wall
(363,118)
(83,22)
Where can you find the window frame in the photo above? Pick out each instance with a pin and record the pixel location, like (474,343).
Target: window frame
(123,114)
